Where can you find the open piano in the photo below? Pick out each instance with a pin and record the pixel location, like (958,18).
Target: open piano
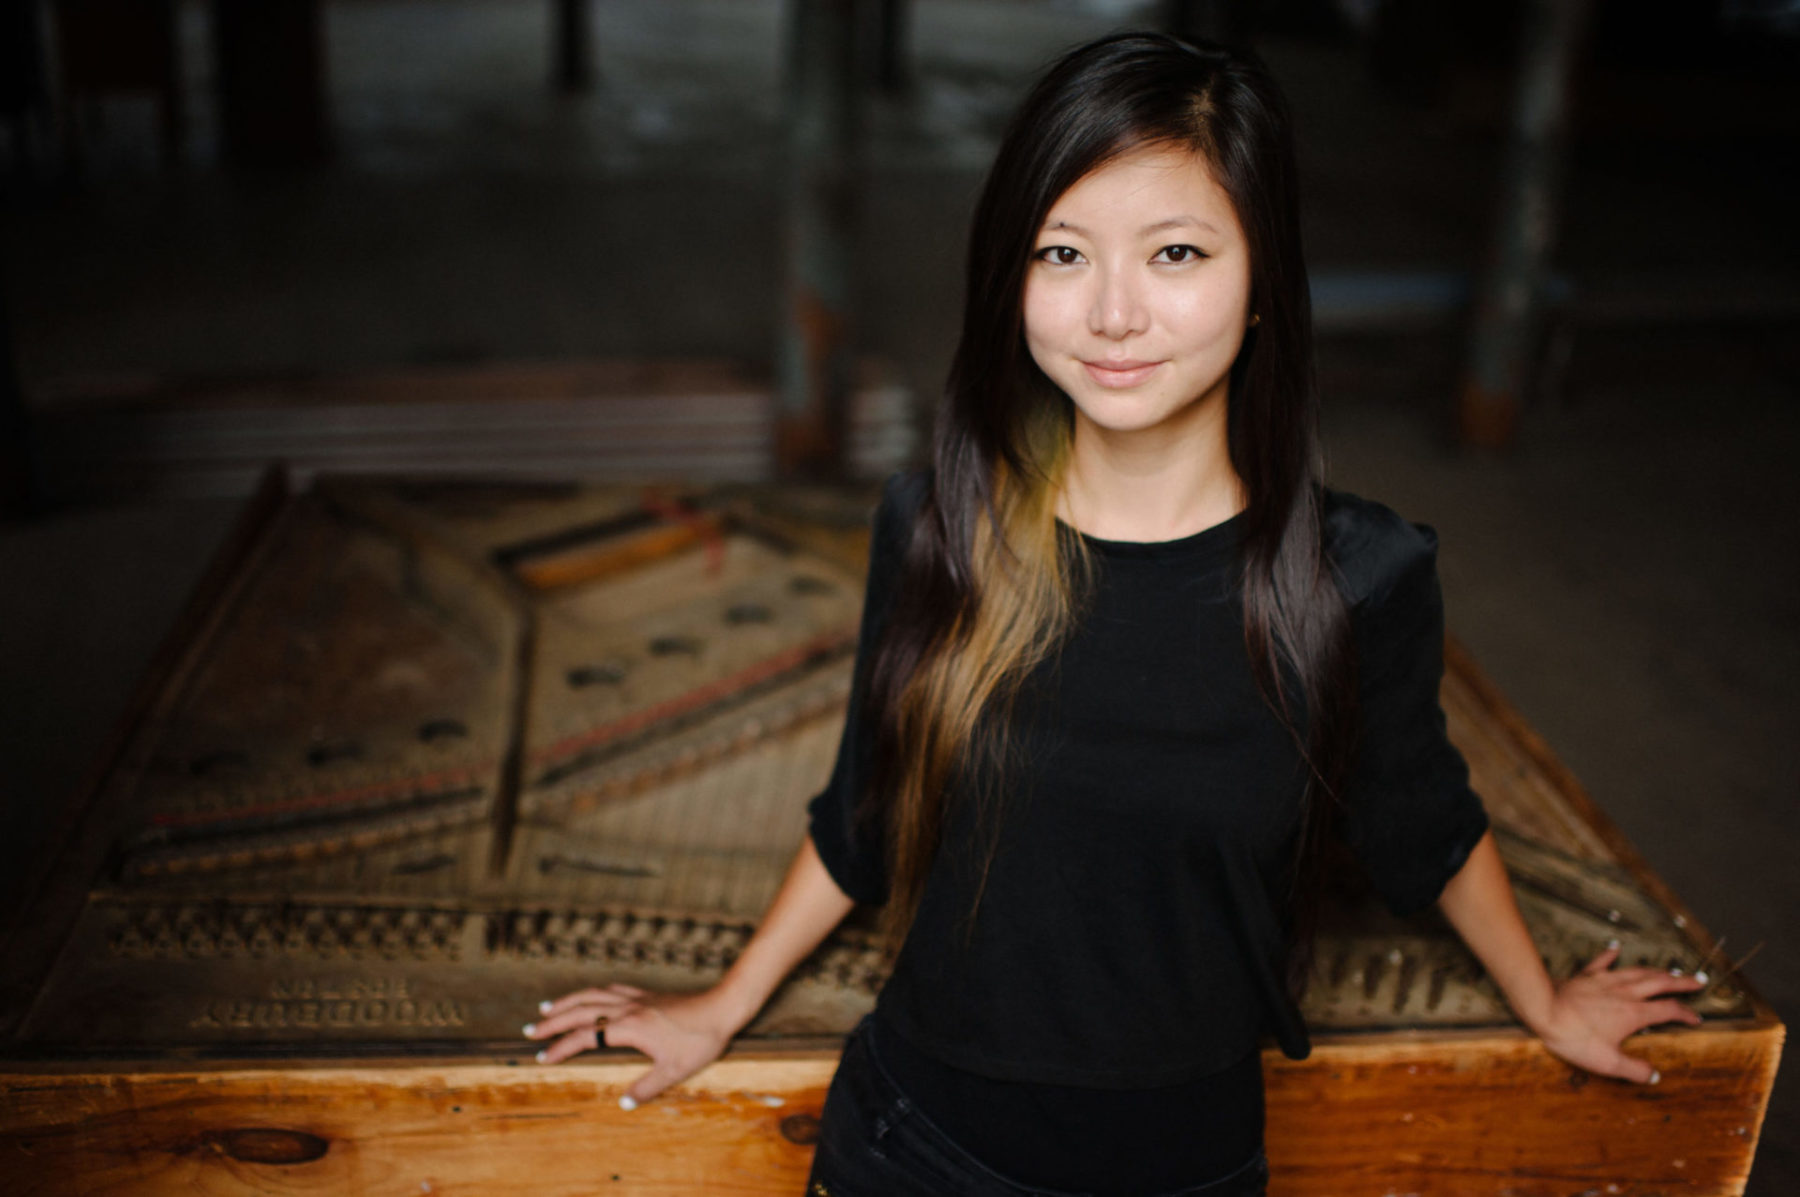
(424,752)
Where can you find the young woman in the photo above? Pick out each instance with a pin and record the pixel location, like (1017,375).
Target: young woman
(1127,671)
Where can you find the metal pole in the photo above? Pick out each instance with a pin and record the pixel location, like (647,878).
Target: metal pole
(813,365)
(1509,304)
(574,48)
(892,63)
(16,489)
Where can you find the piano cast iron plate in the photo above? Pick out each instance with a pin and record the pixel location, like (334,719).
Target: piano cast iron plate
(434,750)
(452,747)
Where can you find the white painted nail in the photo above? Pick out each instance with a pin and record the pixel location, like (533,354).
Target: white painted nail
(544,1006)
(1655,1077)
(1611,944)
(1675,971)
(1702,977)
(530,1029)
(542,1056)
(626,1102)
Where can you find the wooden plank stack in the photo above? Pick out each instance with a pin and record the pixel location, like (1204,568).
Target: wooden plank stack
(615,420)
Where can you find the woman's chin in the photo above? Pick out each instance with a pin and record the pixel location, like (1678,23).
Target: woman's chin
(1116,414)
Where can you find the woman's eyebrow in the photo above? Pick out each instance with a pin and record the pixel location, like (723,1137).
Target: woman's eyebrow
(1161,226)
(1177,222)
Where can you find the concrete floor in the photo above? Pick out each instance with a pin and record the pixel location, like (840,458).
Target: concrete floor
(1628,575)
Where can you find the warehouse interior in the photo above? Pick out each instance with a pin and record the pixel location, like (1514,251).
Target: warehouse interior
(1624,562)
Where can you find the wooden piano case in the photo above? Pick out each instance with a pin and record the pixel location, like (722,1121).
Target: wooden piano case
(424,752)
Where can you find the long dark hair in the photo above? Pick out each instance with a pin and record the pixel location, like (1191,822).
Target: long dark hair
(988,587)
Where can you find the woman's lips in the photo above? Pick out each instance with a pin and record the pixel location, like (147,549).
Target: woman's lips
(1120,374)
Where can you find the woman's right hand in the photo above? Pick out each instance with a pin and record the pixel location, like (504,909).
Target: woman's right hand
(680,1032)
(684,1032)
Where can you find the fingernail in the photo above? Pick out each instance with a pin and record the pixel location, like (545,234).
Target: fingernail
(1655,1077)
(1611,944)
(530,1029)
(1702,977)
(544,1006)
(627,1102)
(1675,971)
(542,1057)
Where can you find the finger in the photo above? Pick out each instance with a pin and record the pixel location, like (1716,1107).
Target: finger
(624,1033)
(576,1018)
(572,1044)
(1603,961)
(1651,1014)
(1627,1068)
(584,997)
(650,1085)
(630,991)
(559,1004)
(1653,981)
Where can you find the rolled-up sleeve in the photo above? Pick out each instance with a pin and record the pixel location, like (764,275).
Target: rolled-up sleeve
(1409,813)
(847,835)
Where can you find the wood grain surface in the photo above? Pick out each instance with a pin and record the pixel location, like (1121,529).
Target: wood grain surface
(1476,1114)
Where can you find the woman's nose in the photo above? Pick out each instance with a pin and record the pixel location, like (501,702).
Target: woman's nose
(1117,310)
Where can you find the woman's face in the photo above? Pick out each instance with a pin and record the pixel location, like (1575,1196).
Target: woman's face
(1138,292)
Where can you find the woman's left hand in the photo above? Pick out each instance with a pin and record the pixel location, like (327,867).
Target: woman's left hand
(1598,1008)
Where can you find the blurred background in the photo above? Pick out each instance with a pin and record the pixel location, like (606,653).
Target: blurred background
(1554,263)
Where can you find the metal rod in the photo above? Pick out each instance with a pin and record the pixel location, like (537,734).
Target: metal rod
(16,488)
(573,51)
(892,63)
(1509,306)
(813,350)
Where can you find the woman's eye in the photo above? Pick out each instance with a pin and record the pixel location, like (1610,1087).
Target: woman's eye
(1177,253)
(1059,255)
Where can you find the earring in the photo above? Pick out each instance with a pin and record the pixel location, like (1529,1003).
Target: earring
(1255,319)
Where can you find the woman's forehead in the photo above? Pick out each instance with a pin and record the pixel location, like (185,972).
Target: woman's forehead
(1143,191)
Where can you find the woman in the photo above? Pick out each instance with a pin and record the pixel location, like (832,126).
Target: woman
(1127,671)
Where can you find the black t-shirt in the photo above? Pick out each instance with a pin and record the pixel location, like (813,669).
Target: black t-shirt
(1130,931)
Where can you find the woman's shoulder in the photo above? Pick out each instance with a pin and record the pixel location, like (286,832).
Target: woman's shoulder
(1374,549)
(902,497)
(904,491)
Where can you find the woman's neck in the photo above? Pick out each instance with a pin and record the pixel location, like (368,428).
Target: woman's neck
(1149,484)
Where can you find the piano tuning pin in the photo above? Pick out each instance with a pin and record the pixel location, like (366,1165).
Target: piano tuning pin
(610,674)
(1372,973)
(329,752)
(1440,979)
(742,613)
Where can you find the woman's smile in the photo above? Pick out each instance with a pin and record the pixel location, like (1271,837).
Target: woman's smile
(1120,375)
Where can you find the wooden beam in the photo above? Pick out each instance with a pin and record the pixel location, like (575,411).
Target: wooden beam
(1488,1112)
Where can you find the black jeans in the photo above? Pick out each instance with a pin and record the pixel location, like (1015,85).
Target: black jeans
(873,1142)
